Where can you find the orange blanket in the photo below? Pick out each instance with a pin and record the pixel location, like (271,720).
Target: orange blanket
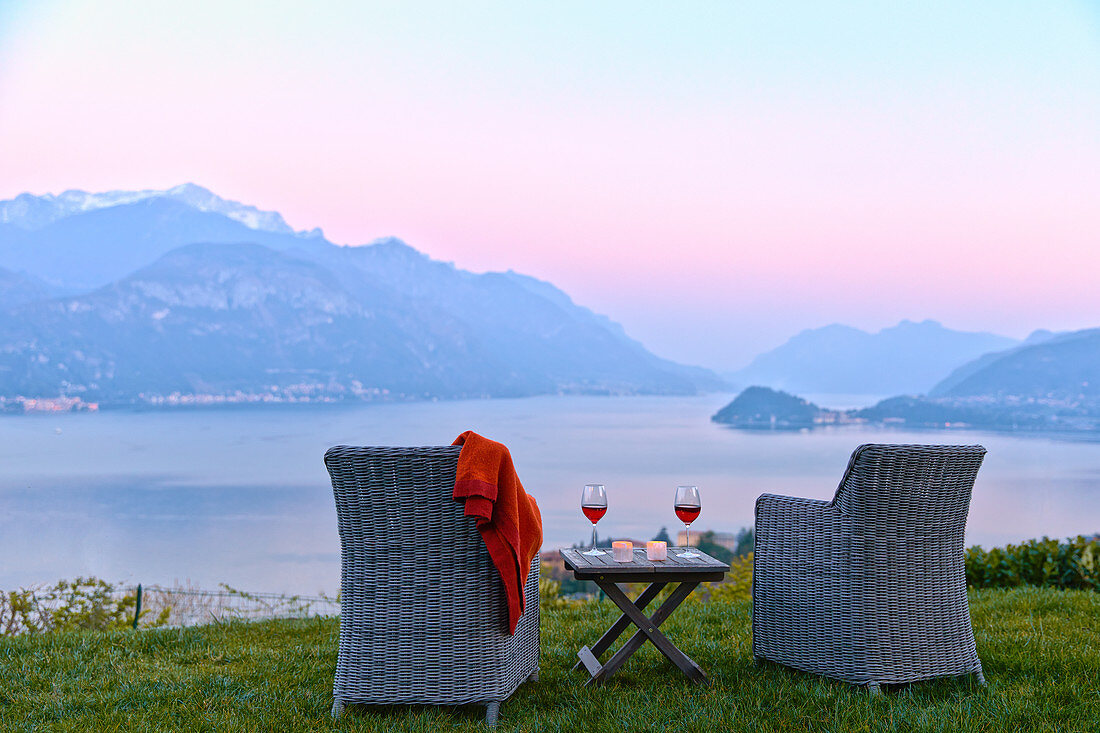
(509,519)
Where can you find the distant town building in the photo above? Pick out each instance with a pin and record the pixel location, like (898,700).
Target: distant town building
(49,404)
(727,540)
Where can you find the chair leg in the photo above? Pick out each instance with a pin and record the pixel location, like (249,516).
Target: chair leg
(873,688)
(492,714)
(981,678)
(534,676)
(337,708)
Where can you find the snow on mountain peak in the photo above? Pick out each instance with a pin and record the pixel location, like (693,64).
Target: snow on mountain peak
(27,211)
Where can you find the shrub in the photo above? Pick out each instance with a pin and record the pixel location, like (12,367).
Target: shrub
(738,583)
(96,605)
(1045,563)
(745,541)
(550,593)
(70,605)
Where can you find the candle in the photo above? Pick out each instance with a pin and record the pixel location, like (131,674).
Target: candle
(656,550)
(623,549)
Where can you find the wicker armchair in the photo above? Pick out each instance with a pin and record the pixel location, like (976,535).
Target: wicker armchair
(423,612)
(870,587)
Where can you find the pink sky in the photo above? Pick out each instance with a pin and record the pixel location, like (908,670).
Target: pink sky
(716,179)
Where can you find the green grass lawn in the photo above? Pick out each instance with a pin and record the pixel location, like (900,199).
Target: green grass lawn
(1040,649)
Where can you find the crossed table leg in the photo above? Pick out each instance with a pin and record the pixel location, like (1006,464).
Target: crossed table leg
(647,629)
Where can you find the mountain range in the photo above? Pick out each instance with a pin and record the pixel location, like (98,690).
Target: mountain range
(1054,367)
(133,297)
(29,212)
(154,296)
(19,287)
(90,248)
(1050,382)
(909,358)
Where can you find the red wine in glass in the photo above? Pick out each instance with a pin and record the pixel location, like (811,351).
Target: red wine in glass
(594,506)
(687,507)
(687,514)
(595,512)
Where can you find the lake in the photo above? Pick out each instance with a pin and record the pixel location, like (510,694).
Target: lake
(241,496)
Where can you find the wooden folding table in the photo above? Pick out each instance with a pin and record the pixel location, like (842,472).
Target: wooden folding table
(607,574)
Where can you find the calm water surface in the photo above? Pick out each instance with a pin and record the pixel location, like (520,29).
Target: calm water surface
(241,496)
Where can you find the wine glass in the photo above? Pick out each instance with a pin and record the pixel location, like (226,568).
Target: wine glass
(594,506)
(687,508)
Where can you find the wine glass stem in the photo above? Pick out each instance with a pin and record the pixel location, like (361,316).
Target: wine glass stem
(593,536)
(687,528)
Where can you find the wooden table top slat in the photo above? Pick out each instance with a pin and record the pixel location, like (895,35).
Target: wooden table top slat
(600,561)
(605,564)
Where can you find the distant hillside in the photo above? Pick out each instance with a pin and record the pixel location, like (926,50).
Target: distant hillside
(267,313)
(761,407)
(1064,367)
(529,323)
(972,367)
(907,358)
(1051,382)
(982,413)
(220,319)
(920,412)
(17,288)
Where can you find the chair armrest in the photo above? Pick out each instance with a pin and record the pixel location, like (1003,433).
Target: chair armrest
(791,507)
(798,578)
(795,535)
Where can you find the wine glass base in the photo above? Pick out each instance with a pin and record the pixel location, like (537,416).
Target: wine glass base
(594,551)
(689,553)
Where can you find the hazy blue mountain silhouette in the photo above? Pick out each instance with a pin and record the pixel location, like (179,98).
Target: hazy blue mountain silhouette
(218,318)
(289,314)
(533,325)
(1062,367)
(17,288)
(908,358)
(963,372)
(92,248)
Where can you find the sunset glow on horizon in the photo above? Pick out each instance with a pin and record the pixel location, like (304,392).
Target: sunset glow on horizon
(714,176)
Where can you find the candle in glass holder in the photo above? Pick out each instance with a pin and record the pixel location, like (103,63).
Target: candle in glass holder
(623,549)
(656,550)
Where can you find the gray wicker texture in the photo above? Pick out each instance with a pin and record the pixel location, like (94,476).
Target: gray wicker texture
(423,612)
(870,587)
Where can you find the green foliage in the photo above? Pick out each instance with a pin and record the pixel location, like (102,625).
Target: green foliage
(738,583)
(1040,649)
(550,596)
(1046,563)
(83,604)
(88,604)
(746,542)
(707,544)
(273,605)
(567,585)
(161,619)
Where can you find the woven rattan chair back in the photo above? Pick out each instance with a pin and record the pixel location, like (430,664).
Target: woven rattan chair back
(928,485)
(423,612)
(871,586)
